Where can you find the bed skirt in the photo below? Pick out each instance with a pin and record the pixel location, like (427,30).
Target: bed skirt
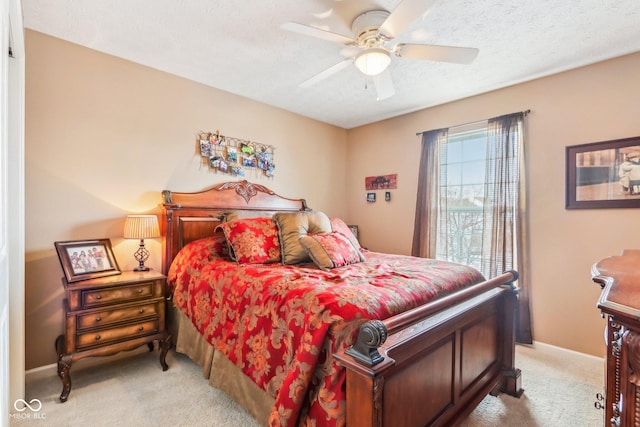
(221,373)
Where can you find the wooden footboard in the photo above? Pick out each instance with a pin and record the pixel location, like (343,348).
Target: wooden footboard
(434,364)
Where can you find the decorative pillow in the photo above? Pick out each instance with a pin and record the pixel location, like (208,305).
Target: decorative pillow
(341,227)
(252,240)
(293,225)
(330,250)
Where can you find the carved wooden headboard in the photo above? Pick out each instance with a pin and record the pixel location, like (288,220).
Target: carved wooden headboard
(190,216)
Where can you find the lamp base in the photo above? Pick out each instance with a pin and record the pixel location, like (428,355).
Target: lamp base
(141,255)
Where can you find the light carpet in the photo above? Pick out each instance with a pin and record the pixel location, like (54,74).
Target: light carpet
(560,388)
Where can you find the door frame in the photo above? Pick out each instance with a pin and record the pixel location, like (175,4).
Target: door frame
(12,106)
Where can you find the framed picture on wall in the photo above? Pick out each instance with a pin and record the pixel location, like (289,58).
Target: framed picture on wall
(604,174)
(381,181)
(86,259)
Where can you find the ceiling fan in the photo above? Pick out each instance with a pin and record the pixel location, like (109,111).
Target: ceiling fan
(371,48)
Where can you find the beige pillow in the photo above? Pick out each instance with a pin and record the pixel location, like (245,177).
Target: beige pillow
(293,225)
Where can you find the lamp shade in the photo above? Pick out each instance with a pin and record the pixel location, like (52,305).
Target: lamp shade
(141,227)
(373,61)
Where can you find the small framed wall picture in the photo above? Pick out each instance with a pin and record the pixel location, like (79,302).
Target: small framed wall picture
(381,181)
(371,197)
(387,196)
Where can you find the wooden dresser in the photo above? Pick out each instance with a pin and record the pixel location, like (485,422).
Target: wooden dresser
(619,277)
(107,315)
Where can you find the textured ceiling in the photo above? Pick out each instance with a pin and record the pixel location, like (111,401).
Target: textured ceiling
(238,46)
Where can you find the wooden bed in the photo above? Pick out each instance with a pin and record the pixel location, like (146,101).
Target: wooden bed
(431,365)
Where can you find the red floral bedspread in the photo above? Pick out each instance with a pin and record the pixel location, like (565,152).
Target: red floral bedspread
(282,324)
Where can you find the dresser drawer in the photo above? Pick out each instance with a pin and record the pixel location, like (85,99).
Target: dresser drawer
(100,337)
(92,298)
(115,315)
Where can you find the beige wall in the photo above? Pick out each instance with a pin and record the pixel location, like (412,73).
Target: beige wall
(591,104)
(105,136)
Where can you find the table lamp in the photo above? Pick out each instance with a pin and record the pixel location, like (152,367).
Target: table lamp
(141,227)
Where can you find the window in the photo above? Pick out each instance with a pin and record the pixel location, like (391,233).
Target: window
(462,193)
(468,207)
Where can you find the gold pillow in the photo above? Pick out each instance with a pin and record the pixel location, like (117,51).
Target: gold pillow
(293,225)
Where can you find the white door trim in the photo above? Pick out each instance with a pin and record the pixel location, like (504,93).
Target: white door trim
(12,105)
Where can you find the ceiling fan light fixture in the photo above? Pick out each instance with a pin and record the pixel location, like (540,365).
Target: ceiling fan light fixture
(373,61)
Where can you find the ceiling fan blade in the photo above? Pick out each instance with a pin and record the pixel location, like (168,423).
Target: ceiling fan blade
(350,51)
(326,73)
(403,15)
(316,32)
(384,85)
(458,55)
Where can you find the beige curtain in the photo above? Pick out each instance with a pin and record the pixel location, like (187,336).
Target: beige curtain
(504,217)
(428,200)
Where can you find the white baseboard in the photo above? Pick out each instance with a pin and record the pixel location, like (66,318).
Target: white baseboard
(41,372)
(548,348)
(50,371)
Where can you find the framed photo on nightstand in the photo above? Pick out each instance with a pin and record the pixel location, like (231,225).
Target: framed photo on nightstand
(87,259)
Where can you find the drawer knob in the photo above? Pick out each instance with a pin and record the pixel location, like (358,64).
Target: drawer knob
(98,296)
(141,328)
(139,291)
(98,337)
(98,319)
(141,310)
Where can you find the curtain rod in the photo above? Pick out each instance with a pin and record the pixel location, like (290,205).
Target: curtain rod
(525,112)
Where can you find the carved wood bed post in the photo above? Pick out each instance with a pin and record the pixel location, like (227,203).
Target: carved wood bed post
(512,376)
(165,228)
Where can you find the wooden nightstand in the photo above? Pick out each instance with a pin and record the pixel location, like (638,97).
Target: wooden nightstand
(111,314)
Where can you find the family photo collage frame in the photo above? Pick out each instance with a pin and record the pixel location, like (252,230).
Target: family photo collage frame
(235,156)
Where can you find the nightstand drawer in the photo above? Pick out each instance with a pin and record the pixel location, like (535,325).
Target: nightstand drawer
(99,337)
(107,317)
(93,298)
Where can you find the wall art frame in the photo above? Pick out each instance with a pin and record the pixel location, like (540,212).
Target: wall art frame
(380,182)
(87,259)
(235,156)
(603,175)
